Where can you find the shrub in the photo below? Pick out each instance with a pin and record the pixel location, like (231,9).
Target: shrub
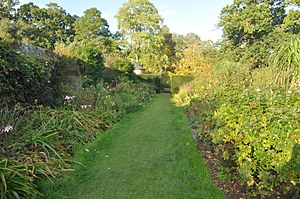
(258,130)
(251,124)
(178,80)
(25,79)
(123,65)
(262,78)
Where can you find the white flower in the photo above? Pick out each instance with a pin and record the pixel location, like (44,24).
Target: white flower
(85,106)
(7,129)
(69,97)
(258,90)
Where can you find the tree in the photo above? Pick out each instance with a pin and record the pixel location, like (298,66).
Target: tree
(91,27)
(16,31)
(247,21)
(182,42)
(246,27)
(52,24)
(7,8)
(194,60)
(27,12)
(292,20)
(140,26)
(168,47)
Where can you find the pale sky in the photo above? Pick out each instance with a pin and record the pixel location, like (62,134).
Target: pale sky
(181,16)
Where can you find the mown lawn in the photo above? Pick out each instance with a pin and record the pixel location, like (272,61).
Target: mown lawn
(149,154)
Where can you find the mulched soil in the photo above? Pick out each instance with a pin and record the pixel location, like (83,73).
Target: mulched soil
(231,188)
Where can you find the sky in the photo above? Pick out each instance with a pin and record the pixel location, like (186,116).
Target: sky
(181,16)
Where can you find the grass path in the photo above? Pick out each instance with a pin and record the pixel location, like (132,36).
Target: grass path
(149,155)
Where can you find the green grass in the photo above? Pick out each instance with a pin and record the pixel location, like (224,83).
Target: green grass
(149,154)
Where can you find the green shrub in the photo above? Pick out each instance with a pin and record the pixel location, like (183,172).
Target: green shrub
(255,131)
(252,125)
(263,78)
(178,80)
(92,63)
(123,65)
(258,130)
(25,79)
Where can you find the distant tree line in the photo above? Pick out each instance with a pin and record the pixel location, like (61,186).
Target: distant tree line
(251,32)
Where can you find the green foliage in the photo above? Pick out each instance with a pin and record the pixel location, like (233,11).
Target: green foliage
(251,124)
(17,31)
(140,26)
(246,21)
(262,78)
(286,61)
(193,61)
(249,121)
(25,79)
(7,8)
(254,131)
(253,30)
(176,81)
(138,16)
(91,28)
(89,57)
(124,65)
(14,181)
(224,173)
(51,25)
(169,47)
(92,63)
(40,140)
(292,22)
(258,131)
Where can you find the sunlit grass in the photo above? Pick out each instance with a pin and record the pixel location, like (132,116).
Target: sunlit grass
(150,154)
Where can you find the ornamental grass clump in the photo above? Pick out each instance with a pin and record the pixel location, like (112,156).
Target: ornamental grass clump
(286,62)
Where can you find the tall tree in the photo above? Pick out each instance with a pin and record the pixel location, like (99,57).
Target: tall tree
(197,56)
(93,41)
(91,26)
(52,24)
(247,24)
(182,42)
(140,25)
(27,12)
(7,8)
(246,21)
(169,47)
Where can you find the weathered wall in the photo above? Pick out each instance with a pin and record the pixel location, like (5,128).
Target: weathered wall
(68,69)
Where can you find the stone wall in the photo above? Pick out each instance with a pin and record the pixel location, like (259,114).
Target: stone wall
(68,69)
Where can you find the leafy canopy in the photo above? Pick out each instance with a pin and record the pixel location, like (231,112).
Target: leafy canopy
(140,26)
(91,26)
